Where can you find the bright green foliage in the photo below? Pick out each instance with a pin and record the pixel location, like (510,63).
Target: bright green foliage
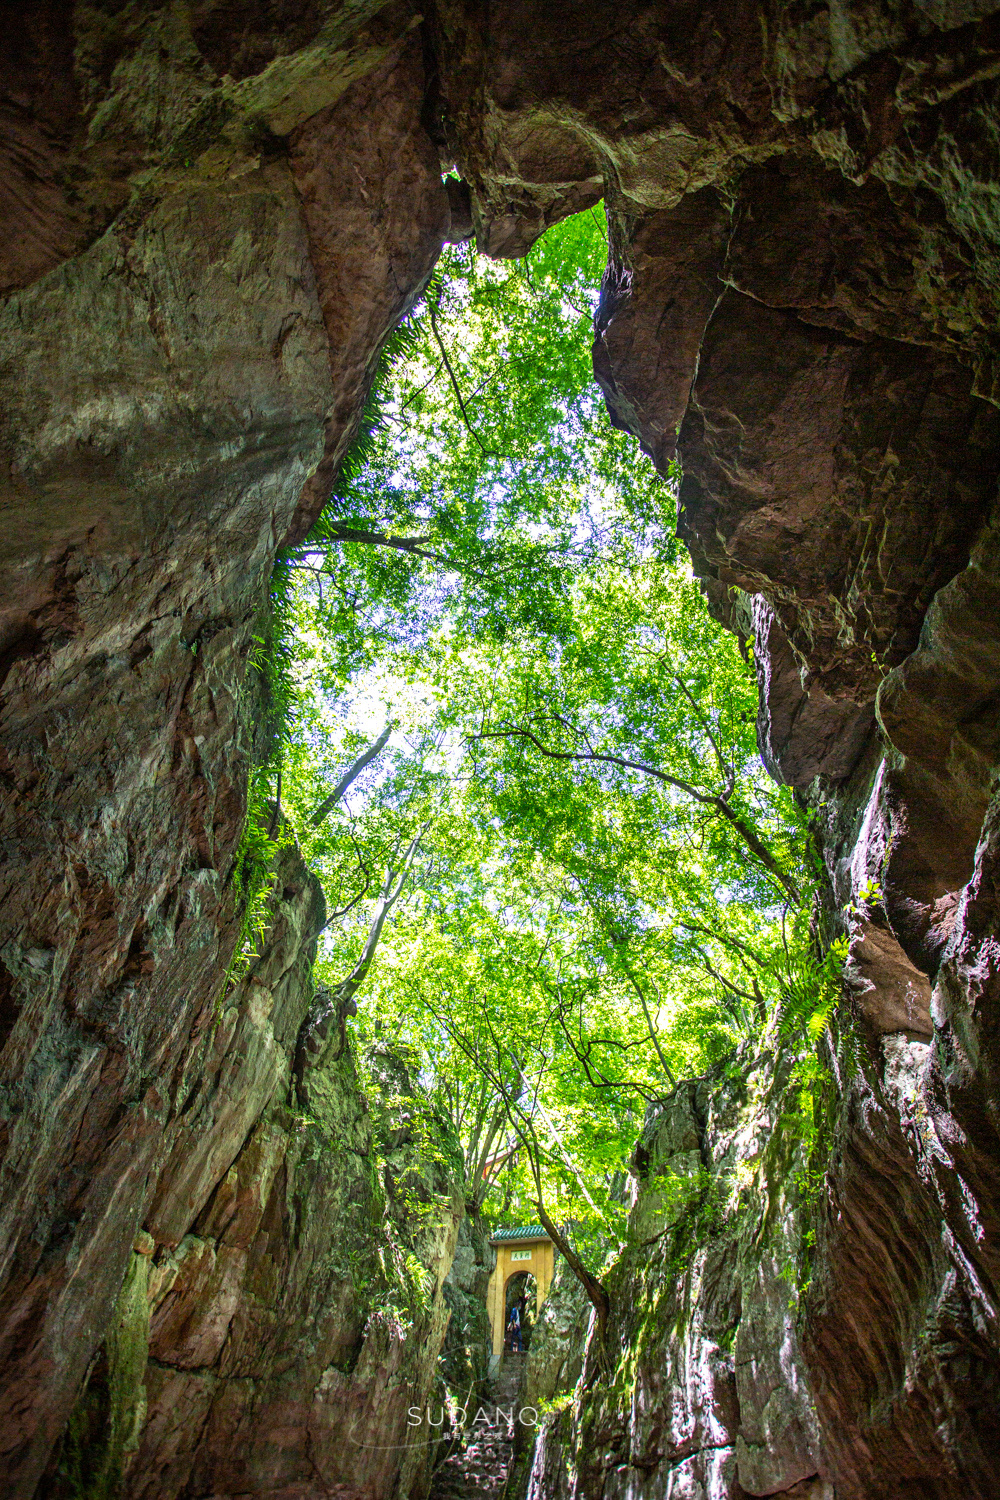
(492,476)
(810,989)
(607,892)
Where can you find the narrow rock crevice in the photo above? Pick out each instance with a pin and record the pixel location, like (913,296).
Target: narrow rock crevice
(213,219)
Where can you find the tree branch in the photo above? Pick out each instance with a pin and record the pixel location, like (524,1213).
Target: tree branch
(727,939)
(343,910)
(351,774)
(411,544)
(728,775)
(649,1022)
(523,1128)
(451,375)
(391,890)
(750,837)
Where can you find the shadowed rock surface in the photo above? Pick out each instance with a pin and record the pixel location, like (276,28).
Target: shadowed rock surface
(481,1462)
(468,1340)
(279,1337)
(213,217)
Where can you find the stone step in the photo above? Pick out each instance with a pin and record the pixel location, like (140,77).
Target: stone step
(480,1470)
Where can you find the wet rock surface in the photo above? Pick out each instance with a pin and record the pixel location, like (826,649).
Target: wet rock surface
(213,216)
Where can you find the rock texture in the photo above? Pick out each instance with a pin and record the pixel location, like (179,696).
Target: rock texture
(166,397)
(799,301)
(478,1468)
(286,1305)
(468,1343)
(213,215)
(758,1307)
(800,309)
(558,1340)
(711,1396)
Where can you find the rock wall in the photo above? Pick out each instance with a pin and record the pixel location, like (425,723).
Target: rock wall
(286,1304)
(710,1396)
(213,216)
(168,394)
(468,1343)
(800,307)
(558,1340)
(783,1320)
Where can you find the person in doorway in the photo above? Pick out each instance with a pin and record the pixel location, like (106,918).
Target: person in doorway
(514,1329)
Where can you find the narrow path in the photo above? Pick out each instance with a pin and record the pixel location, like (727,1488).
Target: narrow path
(481,1470)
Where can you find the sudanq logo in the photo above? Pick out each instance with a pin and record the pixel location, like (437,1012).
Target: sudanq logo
(418,1416)
(458,1420)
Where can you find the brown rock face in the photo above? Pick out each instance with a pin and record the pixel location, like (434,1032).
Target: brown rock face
(141,531)
(267,1339)
(166,397)
(384,199)
(212,217)
(801,307)
(798,301)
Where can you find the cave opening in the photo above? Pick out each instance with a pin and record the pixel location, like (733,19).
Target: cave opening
(543,817)
(521,756)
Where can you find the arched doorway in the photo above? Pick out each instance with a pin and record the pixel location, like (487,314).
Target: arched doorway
(521,1291)
(523,1253)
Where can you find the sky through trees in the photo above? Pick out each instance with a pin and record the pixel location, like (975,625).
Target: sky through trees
(596,889)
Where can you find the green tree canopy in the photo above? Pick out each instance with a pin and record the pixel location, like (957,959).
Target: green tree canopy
(516,724)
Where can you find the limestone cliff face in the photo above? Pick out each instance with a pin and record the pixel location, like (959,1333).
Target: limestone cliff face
(213,215)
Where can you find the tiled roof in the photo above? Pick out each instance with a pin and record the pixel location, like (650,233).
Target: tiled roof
(522,1232)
